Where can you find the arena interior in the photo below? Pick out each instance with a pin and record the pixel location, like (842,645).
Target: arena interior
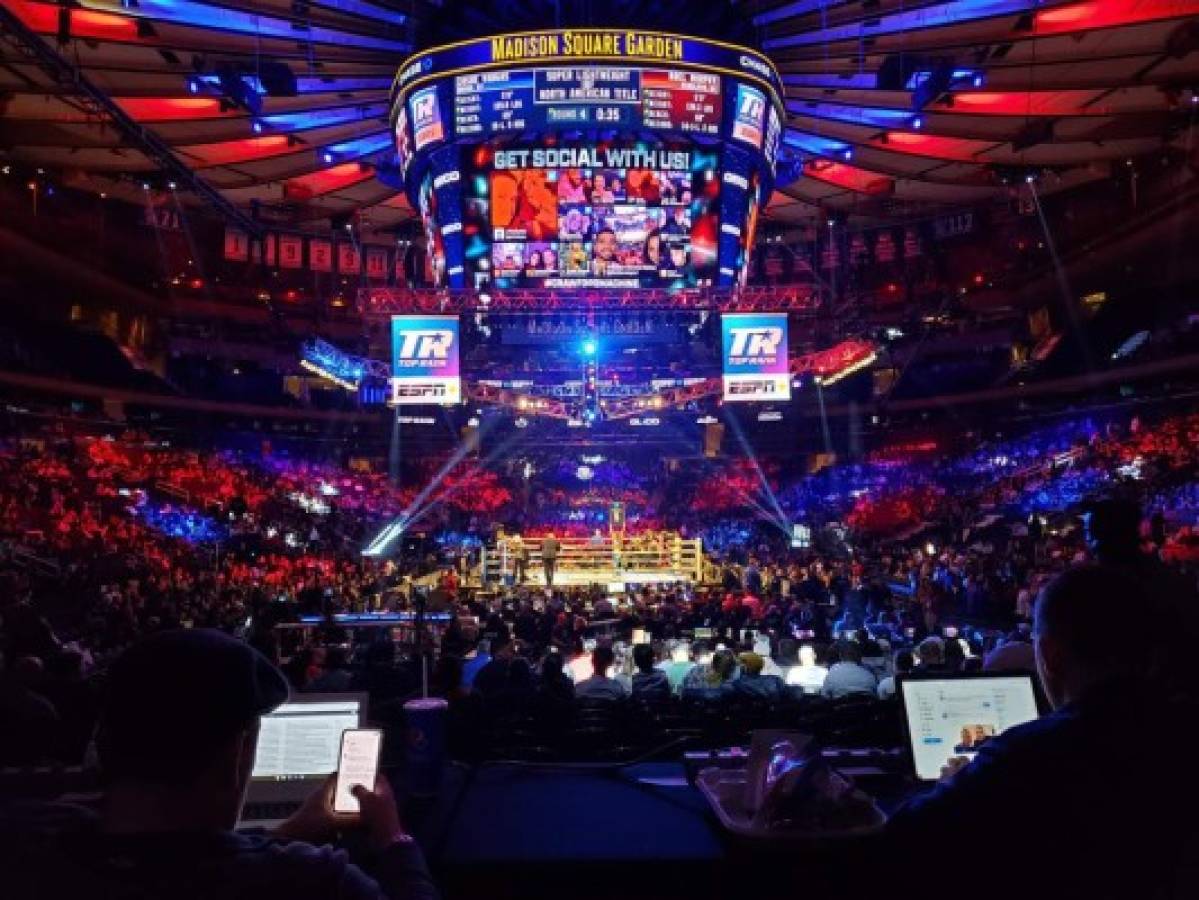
(573,449)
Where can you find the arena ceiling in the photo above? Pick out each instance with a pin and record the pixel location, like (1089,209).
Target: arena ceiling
(897,106)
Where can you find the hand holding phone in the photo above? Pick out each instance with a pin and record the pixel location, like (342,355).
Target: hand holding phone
(358,765)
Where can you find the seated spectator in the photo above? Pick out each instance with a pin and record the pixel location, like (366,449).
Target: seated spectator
(475,659)
(904,663)
(848,676)
(807,675)
(648,683)
(752,682)
(578,665)
(1049,792)
(1015,654)
(710,683)
(494,677)
(555,685)
(677,667)
(784,658)
(336,677)
(176,743)
(930,655)
(600,686)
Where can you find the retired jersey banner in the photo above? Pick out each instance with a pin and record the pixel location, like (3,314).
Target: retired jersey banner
(376,263)
(320,255)
(754,357)
(425,360)
(291,251)
(237,245)
(349,260)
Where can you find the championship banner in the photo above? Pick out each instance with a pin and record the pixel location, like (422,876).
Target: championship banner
(291,251)
(425,361)
(320,255)
(376,263)
(271,254)
(349,260)
(754,357)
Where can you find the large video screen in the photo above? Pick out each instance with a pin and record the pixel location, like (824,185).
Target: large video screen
(491,104)
(591,216)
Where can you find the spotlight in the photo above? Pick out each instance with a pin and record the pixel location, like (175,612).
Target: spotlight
(918,122)
(257,126)
(1030,178)
(327,156)
(145,185)
(171,185)
(589,348)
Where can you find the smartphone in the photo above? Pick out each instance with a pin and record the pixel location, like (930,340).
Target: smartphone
(910,632)
(358,763)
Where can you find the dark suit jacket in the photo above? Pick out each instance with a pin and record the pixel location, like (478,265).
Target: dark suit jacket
(1097,800)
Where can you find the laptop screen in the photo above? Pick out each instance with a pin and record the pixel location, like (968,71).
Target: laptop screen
(949,717)
(302,739)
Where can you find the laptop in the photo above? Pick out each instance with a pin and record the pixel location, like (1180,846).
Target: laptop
(954,715)
(297,750)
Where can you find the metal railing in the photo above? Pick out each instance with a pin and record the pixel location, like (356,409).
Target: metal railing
(386,301)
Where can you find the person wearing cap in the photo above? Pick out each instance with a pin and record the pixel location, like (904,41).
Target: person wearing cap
(176,744)
(753,683)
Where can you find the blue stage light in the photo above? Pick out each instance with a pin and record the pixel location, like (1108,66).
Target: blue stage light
(590,348)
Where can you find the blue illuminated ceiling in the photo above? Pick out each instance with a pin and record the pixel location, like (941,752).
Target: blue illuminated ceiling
(912,99)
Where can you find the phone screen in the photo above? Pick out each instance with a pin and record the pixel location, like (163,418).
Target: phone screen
(358,763)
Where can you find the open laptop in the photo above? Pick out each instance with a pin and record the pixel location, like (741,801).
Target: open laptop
(954,715)
(297,750)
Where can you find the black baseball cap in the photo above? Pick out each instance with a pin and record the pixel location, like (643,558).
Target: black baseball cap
(173,699)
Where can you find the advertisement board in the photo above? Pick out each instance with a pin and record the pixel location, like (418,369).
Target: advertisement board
(425,367)
(753,356)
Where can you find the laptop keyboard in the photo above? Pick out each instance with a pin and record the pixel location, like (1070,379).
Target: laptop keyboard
(281,809)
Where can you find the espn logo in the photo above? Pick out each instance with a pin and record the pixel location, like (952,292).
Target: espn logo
(752,388)
(426,345)
(754,343)
(419,391)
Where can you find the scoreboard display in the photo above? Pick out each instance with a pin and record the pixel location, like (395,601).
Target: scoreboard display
(588,157)
(513,101)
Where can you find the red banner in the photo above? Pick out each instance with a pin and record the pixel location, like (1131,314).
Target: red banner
(349,260)
(320,255)
(291,251)
(237,245)
(376,263)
